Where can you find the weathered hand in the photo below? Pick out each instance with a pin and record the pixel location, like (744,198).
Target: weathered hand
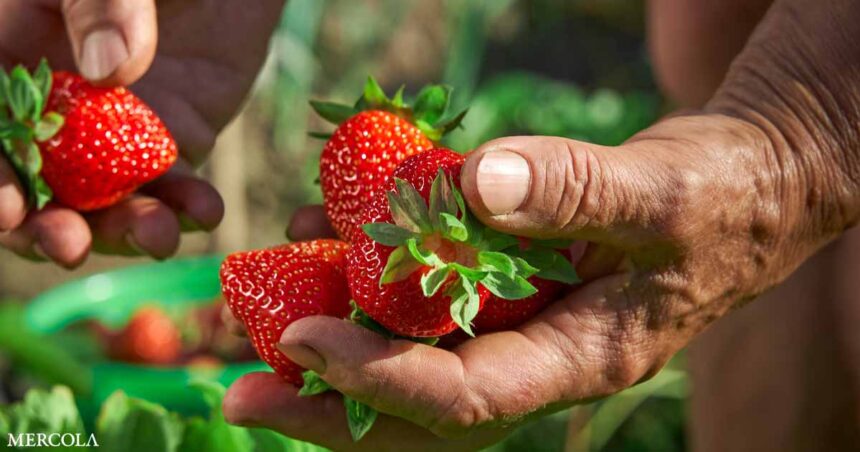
(197,63)
(696,215)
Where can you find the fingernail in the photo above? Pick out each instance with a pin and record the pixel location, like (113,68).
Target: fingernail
(103,51)
(503,181)
(303,356)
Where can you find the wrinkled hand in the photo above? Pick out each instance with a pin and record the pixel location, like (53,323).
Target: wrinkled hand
(194,66)
(691,218)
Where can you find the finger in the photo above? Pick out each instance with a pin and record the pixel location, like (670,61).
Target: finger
(556,187)
(54,233)
(577,348)
(265,400)
(13,202)
(197,204)
(113,41)
(233,325)
(137,225)
(308,223)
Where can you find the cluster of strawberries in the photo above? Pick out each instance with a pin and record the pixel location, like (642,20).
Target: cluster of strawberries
(412,261)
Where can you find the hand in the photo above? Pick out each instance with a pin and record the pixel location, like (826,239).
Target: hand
(702,212)
(206,58)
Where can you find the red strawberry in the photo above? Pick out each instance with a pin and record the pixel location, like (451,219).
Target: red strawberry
(424,266)
(150,337)
(359,158)
(371,139)
(84,146)
(269,289)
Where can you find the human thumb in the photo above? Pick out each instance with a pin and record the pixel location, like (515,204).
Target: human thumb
(550,187)
(113,40)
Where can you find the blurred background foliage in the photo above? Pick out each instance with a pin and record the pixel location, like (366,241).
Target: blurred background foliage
(574,68)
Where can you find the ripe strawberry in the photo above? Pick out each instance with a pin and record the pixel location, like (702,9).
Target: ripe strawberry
(424,266)
(150,337)
(271,288)
(84,146)
(371,139)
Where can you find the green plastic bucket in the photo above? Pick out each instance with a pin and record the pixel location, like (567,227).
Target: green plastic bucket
(111,298)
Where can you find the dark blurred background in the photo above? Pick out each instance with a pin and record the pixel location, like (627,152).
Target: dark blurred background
(557,67)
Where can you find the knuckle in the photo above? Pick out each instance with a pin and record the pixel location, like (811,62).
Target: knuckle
(463,414)
(572,185)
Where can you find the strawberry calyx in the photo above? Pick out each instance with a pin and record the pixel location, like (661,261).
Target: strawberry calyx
(428,113)
(455,252)
(24,123)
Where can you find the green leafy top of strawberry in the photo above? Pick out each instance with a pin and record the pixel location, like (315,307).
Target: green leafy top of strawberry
(428,113)
(460,251)
(24,123)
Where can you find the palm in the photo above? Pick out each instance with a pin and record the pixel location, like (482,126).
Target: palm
(209,53)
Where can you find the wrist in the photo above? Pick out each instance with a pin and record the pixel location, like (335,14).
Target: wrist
(798,82)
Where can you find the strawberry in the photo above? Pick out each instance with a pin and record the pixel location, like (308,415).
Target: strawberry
(424,265)
(500,314)
(85,147)
(271,288)
(150,337)
(371,139)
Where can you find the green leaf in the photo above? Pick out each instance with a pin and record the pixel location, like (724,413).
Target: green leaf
(400,265)
(423,256)
(502,286)
(48,126)
(413,203)
(26,101)
(212,392)
(314,384)
(387,234)
(472,274)
(442,199)
(452,228)
(41,193)
(446,126)
(373,93)
(334,113)
(497,241)
(433,280)
(498,262)
(214,434)
(131,425)
(359,317)
(397,101)
(400,214)
(359,417)
(44,411)
(43,78)
(320,135)
(551,264)
(431,104)
(524,269)
(465,303)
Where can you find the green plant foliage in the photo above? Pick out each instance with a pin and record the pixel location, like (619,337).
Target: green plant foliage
(127,424)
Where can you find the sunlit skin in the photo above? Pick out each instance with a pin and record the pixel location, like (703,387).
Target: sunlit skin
(194,67)
(691,218)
